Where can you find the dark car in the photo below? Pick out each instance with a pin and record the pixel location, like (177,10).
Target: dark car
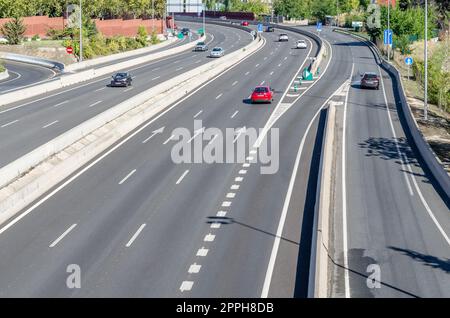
(370,80)
(185,31)
(121,79)
(270,28)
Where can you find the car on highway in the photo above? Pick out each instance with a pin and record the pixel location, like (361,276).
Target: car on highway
(201,46)
(223,17)
(270,28)
(301,44)
(185,31)
(283,37)
(262,94)
(245,23)
(121,79)
(217,52)
(370,80)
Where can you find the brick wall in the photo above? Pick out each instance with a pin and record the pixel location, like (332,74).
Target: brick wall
(41,24)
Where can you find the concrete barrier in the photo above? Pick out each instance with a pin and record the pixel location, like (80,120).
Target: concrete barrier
(32,60)
(318,274)
(411,128)
(30,176)
(105,59)
(4,75)
(86,75)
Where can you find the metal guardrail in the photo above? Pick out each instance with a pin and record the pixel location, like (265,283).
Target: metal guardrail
(33,60)
(412,132)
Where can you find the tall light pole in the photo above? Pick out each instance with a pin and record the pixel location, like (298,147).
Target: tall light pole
(153,16)
(425,53)
(204,23)
(389,30)
(81,34)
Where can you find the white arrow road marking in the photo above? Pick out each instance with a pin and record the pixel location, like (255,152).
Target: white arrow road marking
(154,133)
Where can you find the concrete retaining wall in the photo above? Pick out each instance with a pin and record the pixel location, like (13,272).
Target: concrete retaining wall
(32,175)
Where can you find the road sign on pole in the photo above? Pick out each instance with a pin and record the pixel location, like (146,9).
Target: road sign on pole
(387,37)
(408,61)
(319,26)
(69,50)
(260,27)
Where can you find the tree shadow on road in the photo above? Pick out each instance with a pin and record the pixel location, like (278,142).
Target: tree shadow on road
(427,260)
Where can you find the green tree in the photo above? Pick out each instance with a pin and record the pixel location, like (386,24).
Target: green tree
(13,30)
(142,35)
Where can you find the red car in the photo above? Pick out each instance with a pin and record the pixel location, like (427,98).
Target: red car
(262,94)
(244,23)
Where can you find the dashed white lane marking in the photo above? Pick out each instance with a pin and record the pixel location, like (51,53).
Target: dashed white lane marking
(62,103)
(238,179)
(155,78)
(221,214)
(271,53)
(128,89)
(212,140)
(48,125)
(135,235)
(271,73)
(100,89)
(177,61)
(62,235)
(127,176)
(226,204)
(186,285)
(249,158)
(182,176)
(234,83)
(243,171)
(155,69)
(256,65)
(247,73)
(215,225)
(262,83)
(235,187)
(169,139)
(209,237)
(234,114)
(246,165)
(279,64)
(194,268)
(10,123)
(253,152)
(231,195)
(195,116)
(285,58)
(202,252)
(96,103)
(265,58)
(198,61)
(218,96)
(179,69)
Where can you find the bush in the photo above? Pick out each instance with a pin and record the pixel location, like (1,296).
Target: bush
(2,68)
(13,31)
(154,39)
(403,44)
(142,36)
(35,37)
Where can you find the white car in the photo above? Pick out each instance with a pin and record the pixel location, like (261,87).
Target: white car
(283,37)
(301,44)
(217,52)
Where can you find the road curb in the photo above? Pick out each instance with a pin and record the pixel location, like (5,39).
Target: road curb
(413,132)
(318,280)
(4,75)
(29,177)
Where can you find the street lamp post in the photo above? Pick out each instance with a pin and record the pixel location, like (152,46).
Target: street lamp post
(153,16)
(81,35)
(204,23)
(389,30)
(425,53)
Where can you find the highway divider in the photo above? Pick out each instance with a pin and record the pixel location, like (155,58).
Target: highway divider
(318,273)
(34,60)
(409,123)
(29,177)
(86,75)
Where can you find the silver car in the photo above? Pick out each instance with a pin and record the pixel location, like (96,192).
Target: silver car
(201,46)
(217,52)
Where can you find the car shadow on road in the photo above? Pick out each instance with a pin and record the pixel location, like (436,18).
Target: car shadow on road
(427,260)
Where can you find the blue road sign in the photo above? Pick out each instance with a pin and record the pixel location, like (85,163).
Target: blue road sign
(260,27)
(319,26)
(387,37)
(408,60)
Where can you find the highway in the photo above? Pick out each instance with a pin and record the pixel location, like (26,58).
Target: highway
(135,221)
(22,75)
(140,225)
(30,123)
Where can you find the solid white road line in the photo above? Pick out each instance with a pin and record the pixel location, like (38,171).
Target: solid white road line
(127,176)
(48,125)
(209,237)
(135,235)
(186,285)
(169,139)
(182,177)
(62,235)
(62,103)
(202,252)
(10,123)
(195,116)
(194,268)
(218,96)
(96,103)
(234,114)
